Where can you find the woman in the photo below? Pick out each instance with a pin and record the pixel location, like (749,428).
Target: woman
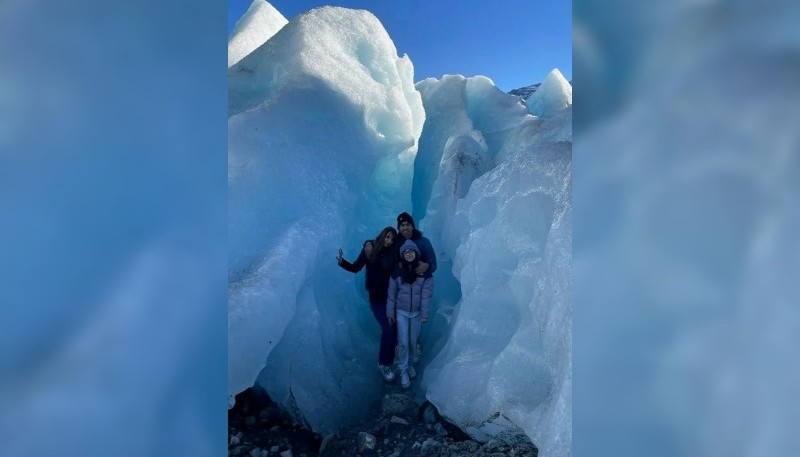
(380,261)
(408,303)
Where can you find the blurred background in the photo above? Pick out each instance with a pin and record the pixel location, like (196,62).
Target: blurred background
(113,177)
(686,218)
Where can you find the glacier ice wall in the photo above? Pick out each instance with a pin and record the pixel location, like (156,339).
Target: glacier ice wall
(258,24)
(323,127)
(553,96)
(326,146)
(467,122)
(499,216)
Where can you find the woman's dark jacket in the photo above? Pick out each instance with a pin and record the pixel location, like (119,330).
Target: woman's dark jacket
(378,272)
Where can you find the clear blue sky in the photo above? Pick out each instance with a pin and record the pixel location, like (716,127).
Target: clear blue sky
(513,42)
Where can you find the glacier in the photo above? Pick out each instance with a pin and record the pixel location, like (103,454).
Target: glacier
(257,25)
(323,127)
(499,217)
(329,139)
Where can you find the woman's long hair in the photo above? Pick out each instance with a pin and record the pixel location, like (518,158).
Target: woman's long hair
(377,245)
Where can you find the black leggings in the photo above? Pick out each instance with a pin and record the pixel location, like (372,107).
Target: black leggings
(388,334)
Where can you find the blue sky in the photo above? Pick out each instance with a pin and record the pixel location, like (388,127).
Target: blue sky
(513,42)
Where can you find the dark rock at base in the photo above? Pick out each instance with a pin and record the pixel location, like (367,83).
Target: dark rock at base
(398,420)
(428,446)
(273,429)
(399,404)
(492,445)
(428,413)
(366,442)
(325,442)
(400,429)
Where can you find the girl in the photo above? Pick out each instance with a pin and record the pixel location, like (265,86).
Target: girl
(408,303)
(380,261)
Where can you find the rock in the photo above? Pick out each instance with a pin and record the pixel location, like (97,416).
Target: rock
(473,447)
(274,449)
(429,446)
(399,404)
(250,421)
(366,442)
(238,450)
(429,413)
(379,427)
(275,428)
(286,453)
(440,429)
(255,452)
(398,420)
(492,445)
(325,442)
(234,441)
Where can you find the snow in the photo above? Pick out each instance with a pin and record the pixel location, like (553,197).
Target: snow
(329,139)
(258,24)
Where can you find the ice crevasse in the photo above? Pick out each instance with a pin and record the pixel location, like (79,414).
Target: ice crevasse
(329,139)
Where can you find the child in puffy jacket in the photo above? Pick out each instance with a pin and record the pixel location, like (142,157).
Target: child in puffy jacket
(408,304)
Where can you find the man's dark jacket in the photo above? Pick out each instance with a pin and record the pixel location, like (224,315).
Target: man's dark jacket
(426,253)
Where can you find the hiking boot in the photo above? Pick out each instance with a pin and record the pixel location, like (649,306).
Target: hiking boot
(405,383)
(387,372)
(412,373)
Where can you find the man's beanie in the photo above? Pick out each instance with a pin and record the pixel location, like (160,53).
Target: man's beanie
(405,217)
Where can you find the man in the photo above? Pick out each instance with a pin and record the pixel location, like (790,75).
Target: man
(406,227)
(408,231)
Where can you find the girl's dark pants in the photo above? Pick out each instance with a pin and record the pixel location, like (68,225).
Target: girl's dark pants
(388,334)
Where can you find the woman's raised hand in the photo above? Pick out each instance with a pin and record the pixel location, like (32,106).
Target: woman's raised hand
(339,257)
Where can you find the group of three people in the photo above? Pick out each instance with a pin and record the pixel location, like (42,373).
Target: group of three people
(399,283)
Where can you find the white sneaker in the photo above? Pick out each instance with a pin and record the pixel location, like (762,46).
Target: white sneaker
(387,372)
(405,383)
(412,373)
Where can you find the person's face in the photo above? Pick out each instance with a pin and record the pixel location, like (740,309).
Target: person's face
(388,239)
(410,255)
(405,229)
